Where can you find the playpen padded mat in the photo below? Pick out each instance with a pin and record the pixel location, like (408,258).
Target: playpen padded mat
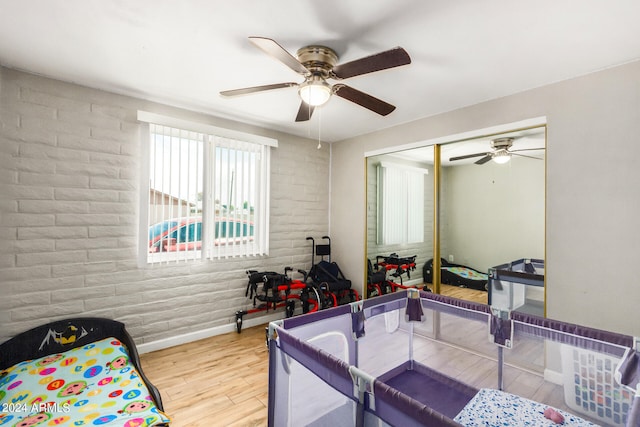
(466,273)
(493,408)
(92,385)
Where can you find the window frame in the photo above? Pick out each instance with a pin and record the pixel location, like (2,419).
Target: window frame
(210,132)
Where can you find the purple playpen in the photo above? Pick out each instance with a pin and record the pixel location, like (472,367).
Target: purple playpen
(414,358)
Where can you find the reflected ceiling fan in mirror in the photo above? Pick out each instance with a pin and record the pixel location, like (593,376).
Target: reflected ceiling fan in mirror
(500,153)
(317,64)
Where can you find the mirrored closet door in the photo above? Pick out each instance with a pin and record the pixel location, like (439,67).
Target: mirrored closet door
(486,196)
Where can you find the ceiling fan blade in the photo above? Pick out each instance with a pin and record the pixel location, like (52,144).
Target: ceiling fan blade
(527,149)
(380,61)
(484,160)
(365,100)
(272,48)
(304,112)
(467,156)
(528,157)
(253,89)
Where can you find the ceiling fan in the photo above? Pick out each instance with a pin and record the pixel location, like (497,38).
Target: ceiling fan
(500,153)
(317,64)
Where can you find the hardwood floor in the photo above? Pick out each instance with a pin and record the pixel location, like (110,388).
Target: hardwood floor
(463,293)
(223,380)
(218,381)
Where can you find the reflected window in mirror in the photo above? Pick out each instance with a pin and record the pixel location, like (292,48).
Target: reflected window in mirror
(400,204)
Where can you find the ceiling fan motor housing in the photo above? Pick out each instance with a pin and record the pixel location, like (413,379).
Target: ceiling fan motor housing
(502,143)
(319,60)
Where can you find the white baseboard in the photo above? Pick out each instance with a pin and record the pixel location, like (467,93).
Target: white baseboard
(205,333)
(553,377)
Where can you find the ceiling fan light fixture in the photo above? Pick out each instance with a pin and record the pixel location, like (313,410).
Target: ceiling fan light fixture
(315,92)
(501,157)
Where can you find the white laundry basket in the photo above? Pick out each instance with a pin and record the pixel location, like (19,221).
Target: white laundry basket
(590,387)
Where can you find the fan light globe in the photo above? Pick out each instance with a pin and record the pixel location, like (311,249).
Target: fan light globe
(501,157)
(315,93)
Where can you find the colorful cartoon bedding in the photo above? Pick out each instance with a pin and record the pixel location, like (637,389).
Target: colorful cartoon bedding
(466,277)
(466,273)
(93,384)
(490,408)
(456,275)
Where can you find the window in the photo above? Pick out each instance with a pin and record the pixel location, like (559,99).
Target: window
(400,204)
(207,192)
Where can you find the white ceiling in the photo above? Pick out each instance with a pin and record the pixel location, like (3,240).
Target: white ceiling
(184,53)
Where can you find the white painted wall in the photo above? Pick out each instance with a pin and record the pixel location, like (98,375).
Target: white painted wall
(69,217)
(494,213)
(593,189)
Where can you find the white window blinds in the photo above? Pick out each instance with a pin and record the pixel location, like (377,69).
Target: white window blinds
(400,204)
(208,195)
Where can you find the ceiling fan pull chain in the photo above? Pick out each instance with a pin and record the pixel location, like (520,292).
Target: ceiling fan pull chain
(319,128)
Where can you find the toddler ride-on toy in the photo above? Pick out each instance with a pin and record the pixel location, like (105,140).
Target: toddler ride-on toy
(270,291)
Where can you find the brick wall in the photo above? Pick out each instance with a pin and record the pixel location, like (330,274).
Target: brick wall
(69,175)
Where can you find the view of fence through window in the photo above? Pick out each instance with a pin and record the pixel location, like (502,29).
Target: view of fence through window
(206,196)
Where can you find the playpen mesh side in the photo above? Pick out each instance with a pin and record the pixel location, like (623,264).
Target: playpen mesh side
(565,366)
(391,339)
(297,370)
(312,388)
(453,339)
(590,387)
(309,382)
(569,367)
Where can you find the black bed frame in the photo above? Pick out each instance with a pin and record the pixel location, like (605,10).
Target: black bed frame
(38,342)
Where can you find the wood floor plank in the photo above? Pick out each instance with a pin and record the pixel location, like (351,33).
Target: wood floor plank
(218,381)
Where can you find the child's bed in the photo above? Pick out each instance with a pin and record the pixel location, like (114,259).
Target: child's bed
(456,275)
(419,359)
(82,371)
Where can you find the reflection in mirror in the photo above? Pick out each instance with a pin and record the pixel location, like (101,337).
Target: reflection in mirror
(491,211)
(399,218)
(492,208)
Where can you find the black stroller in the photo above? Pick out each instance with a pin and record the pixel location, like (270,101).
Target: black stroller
(334,288)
